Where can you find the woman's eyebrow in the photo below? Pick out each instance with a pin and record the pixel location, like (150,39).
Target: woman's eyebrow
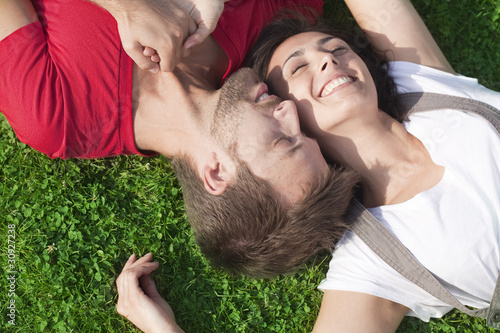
(297,53)
(300,52)
(324,40)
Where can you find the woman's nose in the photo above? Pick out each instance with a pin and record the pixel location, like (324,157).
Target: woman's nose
(327,61)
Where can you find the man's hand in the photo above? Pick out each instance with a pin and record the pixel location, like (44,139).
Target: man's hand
(145,308)
(156,34)
(161,25)
(205,14)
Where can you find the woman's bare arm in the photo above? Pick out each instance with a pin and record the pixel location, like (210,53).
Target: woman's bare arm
(353,312)
(395,25)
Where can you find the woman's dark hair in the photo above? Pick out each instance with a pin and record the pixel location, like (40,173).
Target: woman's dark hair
(291,24)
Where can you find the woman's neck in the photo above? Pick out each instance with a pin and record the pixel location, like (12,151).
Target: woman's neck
(394,164)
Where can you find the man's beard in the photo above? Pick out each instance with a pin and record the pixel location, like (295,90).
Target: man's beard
(234,100)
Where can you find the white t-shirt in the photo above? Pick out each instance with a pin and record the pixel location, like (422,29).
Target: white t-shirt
(452,228)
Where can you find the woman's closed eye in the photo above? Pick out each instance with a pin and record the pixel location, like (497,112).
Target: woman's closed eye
(336,52)
(296,68)
(339,51)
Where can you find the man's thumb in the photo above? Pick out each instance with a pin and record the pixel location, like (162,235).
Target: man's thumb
(197,37)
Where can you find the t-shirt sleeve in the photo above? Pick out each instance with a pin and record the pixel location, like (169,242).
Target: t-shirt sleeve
(355,267)
(411,77)
(28,83)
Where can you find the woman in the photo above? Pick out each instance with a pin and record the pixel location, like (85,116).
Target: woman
(417,176)
(425,179)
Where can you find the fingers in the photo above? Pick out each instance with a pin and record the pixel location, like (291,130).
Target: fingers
(135,51)
(168,65)
(194,39)
(127,282)
(171,51)
(205,15)
(198,36)
(153,51)
(149,51)
(149,288)
(147,257)
(169,56)
(155,58)
(148,285)
(139,265)
(130,277)
(129,262)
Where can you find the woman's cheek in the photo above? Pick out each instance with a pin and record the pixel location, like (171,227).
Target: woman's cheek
(281,89)
(307,118)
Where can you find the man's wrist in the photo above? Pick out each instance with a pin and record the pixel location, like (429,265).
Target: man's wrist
(116,8)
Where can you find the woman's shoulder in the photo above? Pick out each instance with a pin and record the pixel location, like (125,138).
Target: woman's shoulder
(355,267)
(408,74)
(411,77)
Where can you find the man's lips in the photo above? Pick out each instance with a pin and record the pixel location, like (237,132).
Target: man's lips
(262,93)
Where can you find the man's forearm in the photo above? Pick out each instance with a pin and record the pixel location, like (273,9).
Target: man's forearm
(113,6)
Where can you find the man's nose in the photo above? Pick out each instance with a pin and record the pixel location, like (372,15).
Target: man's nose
(284,109)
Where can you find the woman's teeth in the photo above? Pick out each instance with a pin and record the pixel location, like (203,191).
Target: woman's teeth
(335,84)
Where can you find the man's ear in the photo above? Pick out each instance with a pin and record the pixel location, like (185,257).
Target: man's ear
(216,174)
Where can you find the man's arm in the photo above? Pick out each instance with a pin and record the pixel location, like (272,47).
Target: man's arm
(352,312)
(15,14)
(395,25)
(156,34)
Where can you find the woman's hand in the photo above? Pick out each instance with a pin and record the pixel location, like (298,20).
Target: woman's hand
(145,308)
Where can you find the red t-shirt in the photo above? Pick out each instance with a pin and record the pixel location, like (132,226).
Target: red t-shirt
(66,82)
(242,20)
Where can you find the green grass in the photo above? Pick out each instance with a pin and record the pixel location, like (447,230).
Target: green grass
(78,221)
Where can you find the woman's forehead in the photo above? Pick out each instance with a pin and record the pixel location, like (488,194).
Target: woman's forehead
(298,43)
